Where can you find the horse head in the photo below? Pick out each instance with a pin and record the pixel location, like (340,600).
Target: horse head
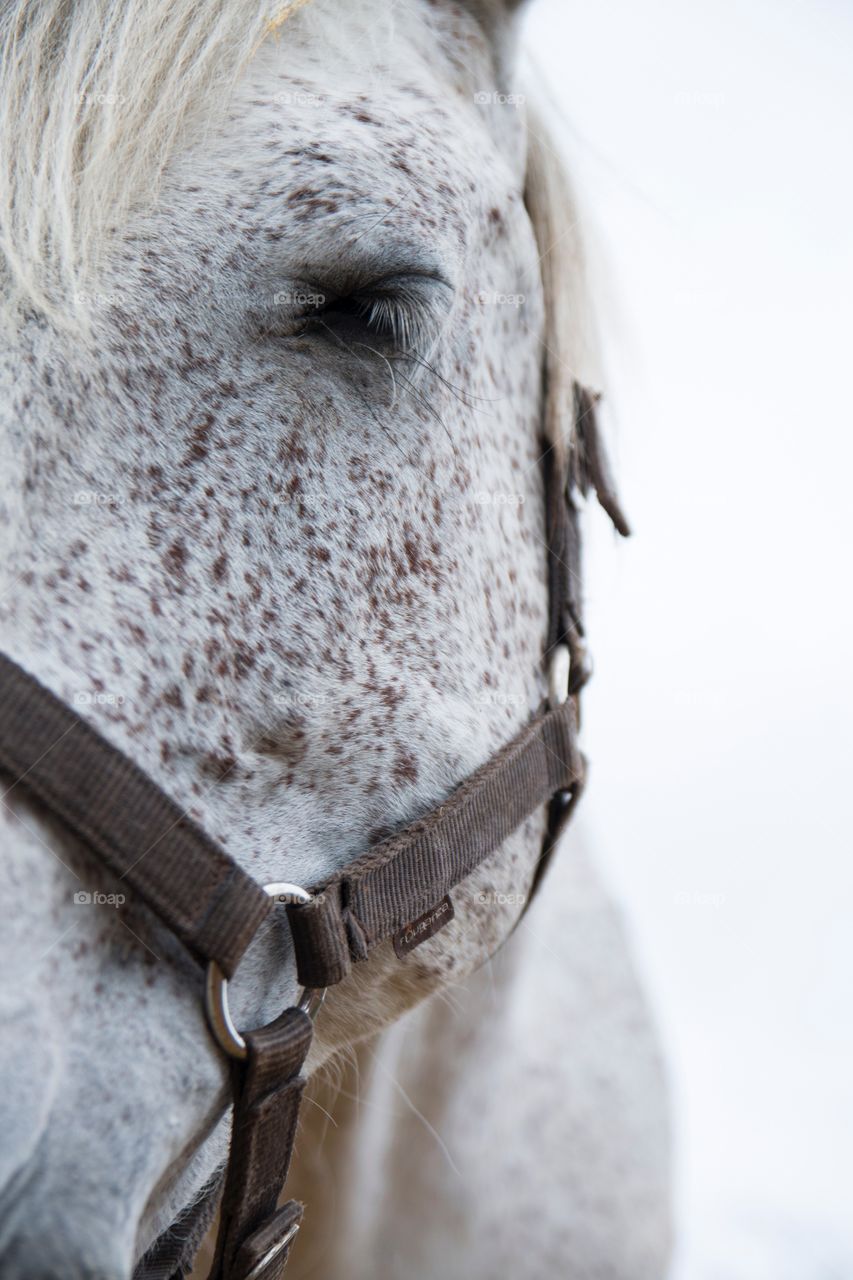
(279,289)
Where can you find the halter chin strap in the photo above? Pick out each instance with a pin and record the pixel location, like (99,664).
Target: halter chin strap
(215,908)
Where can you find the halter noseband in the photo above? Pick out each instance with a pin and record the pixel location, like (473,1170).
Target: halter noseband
(215,908)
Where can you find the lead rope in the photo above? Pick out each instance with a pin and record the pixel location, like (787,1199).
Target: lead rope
(146,840)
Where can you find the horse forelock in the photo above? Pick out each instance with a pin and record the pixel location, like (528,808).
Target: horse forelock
(96,97)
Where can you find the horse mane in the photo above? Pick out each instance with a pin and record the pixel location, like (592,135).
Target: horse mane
(571,348)
(94,98)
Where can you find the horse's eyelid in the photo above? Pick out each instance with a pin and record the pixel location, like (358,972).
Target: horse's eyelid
(405,308)
(413,292)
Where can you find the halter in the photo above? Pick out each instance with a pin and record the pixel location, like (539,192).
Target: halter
(215,908)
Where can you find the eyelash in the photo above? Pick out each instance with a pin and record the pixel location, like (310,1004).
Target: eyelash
(405,313)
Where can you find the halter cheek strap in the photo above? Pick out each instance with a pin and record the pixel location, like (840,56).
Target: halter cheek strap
(215,908)
(373,898)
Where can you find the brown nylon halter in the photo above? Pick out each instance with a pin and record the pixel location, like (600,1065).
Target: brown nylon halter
(143,837)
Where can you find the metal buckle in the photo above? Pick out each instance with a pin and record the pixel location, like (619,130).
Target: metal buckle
(559,669)
(218,1012)
(261,1265)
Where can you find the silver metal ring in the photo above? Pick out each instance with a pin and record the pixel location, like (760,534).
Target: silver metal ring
(217,1008)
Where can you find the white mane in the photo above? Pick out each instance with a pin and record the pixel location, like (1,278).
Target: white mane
(571,343)
(95,96)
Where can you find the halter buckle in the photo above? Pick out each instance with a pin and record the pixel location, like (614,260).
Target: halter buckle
(218,1011)
(559,669)
(261,1266)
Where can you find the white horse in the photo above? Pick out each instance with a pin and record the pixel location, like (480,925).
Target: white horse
(277,292)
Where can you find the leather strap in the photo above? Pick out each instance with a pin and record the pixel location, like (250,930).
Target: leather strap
(143,837)
(377,894)
(590,468)
(254,1238)
(264,1255)
(585,468)
(561,807)
(172,1255)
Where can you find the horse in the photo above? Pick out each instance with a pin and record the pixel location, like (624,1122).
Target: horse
(290,300)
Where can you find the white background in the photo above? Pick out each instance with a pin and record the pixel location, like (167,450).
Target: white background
(712,144)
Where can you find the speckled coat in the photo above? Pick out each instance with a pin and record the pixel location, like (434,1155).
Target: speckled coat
(298,575)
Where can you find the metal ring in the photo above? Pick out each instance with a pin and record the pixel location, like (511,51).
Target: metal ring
(217,1008)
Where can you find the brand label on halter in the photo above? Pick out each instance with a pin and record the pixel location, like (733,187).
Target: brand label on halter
(426,926)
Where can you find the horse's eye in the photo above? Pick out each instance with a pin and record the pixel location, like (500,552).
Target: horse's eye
(403,312)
